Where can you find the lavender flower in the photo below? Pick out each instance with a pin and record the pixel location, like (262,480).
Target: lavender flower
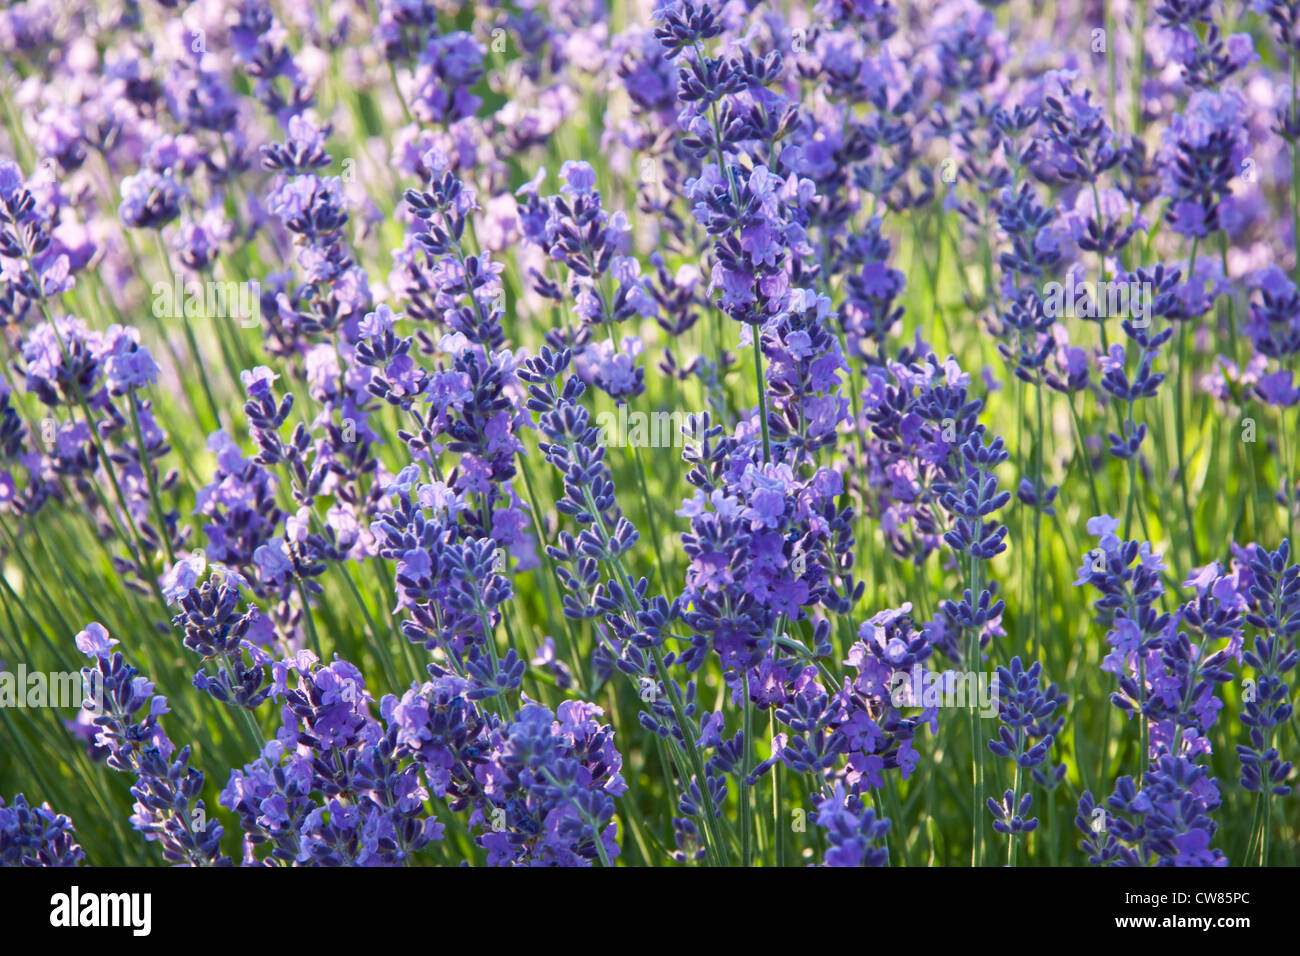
(1026,736)
(853,832)
(36,836)
(166,788)
(1274,608)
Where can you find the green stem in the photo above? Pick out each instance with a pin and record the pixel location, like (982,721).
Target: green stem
(762,391)
(778,827)
(1180,439)
(746,791)
(151,478)
(977,761)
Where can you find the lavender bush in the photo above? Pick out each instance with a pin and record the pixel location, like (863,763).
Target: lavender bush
(671,432)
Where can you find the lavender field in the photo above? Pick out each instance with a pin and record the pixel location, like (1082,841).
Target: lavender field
(649,433)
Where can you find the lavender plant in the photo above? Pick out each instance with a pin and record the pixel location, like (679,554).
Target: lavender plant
(714,498)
